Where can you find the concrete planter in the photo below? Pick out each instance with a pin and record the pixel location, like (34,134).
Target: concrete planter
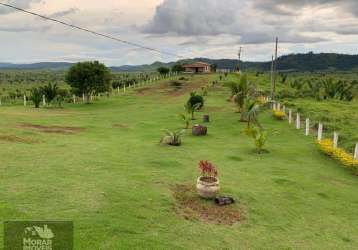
(207,187)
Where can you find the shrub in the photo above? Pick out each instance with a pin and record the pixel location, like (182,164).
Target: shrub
(346,159)
(196,99)
(195,103)
(259,136)
(279,115)
(172,138)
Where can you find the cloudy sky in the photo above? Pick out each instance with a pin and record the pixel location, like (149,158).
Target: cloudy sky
(189,28)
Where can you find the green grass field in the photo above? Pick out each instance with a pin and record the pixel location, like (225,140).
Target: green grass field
(115,181)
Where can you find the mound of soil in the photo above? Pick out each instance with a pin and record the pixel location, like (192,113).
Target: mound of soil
(190,206)
(53,129)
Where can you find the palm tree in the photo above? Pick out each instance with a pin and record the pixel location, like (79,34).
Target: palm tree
(50,91)
(36,96)
(241,94)
(252,110)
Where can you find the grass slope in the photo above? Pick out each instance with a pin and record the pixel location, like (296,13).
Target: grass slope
(115,181)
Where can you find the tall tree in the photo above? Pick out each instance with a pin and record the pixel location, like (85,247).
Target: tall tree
(89,77)
(163,70)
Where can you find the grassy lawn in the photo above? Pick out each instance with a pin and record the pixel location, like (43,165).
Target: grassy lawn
(114,180)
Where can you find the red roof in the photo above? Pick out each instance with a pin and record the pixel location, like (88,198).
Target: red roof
(196,65)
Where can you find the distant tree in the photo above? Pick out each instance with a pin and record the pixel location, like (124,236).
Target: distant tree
(214,67)
(178,68)
(89,77)
(163,70)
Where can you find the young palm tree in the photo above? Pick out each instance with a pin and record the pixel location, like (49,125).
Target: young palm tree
(240,91)
(50,91)
(36,96)
(252,110)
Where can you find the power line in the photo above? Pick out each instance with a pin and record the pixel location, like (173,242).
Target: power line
(92,32)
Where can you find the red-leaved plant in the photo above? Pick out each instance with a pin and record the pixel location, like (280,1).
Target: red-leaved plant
(208,169)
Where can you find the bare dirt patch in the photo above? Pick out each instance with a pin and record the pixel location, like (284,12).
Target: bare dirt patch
(119,125)
(190,206)
(17,139)
(52,129)
(171,88)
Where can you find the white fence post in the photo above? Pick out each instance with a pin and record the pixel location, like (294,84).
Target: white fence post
(279,106)
(284,109)
(25,101)
(83,97)
(44,100)
(290,116)
(356,152)
(0,102)
(335,140)
(118,90)
(307,126)
(298,121)
(74,99)
(124,88)
(320,132)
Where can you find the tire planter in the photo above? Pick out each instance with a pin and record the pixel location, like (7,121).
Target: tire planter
(207,187)
(199,130)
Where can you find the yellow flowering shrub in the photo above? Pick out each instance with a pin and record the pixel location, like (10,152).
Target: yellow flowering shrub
(261,100)
(326,146)
(279,115)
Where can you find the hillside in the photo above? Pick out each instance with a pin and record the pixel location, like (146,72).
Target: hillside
(297,62)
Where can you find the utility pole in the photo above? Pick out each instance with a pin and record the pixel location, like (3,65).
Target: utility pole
(274,72)
(272,77)
(239,54)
